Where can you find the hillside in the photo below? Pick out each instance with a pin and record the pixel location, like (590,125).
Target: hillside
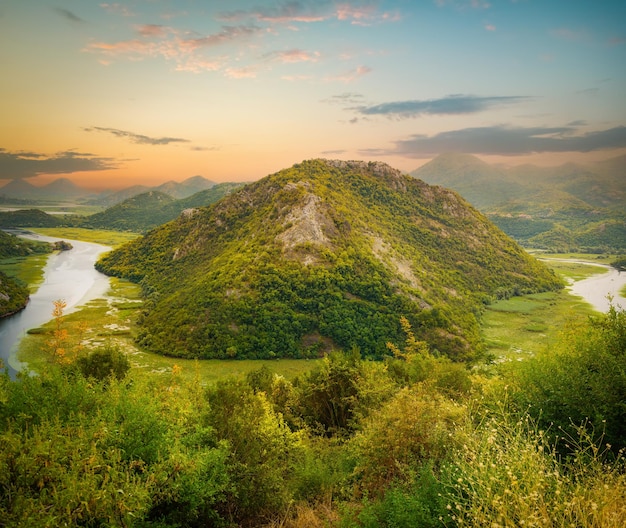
(28,218)
(12,246)
(13,296)
(568,207)
(322,255)
(146,211)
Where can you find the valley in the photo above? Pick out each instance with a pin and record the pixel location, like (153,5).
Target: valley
(428,366)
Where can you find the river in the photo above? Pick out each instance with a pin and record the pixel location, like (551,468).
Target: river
(71,276)
(68,275)
(598,289)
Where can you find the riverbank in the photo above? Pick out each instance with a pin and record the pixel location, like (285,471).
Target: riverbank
(68,275)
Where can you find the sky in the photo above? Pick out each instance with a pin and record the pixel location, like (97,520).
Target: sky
(112,94)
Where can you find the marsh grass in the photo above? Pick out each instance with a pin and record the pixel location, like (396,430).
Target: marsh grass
(28,270)
(111,322)
(97,236)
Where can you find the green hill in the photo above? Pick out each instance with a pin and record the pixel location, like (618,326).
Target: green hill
(568,207)
(146,211)
(12,246)
(139,213)
(13,296)
(325,254)
(28,218)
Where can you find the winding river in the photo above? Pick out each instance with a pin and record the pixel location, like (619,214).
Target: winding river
(71,276)
(599,290)
(68,275)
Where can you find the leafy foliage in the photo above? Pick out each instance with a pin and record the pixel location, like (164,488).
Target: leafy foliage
(13,296)
(319,256)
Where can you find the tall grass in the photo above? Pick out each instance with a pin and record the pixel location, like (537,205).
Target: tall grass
(506,473)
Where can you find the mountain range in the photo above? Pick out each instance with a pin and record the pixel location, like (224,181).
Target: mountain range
(64,189)
(326,254)
(569,207)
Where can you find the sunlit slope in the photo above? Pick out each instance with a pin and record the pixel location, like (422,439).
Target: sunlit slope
(325,254)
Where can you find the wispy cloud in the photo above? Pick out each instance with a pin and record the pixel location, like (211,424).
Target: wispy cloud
(311,11)
(68,15)
(153,40)
(294,55)
(118,9)
(572,35)
(139,139)
(507,141)
(490,27)
(463,4)
(345,98)
(20,165)
(452,105)
(351,75)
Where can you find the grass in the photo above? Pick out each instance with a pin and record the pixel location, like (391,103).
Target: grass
(97,236)
(110,322)
(28,270)
(521,326)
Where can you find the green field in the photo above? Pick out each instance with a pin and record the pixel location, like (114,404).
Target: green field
(110,322)
(520,326)
(28,270)
(97,236)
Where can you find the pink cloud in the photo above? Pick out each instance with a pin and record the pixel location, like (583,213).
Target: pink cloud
(351,75)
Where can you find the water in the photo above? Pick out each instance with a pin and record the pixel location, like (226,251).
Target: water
(68,275)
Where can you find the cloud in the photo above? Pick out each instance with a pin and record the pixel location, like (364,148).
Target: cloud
(345,98)
(450,105)
(507,141)
(294,55)
(490,27)
(19,165)
(68,15)
(463,4)
(310,11)
(162,41)
(118,9)
(240,73)
(137,138)
(351,75)
(572,35)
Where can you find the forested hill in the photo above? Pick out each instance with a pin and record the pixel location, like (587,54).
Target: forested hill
(325,254)
(145,211)
(13,295)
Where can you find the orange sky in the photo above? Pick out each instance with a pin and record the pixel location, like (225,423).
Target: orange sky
(115,94)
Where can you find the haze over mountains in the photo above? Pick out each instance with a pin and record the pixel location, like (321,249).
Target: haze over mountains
(571,206)
(321,255)
(65,189)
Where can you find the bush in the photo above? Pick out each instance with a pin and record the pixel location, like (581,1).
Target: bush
(104,363)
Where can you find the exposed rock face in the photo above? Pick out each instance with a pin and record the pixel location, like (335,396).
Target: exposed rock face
(307,223)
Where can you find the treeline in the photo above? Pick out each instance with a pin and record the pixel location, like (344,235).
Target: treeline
(413,440)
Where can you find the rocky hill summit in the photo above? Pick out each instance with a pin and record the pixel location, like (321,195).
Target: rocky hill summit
(326,254)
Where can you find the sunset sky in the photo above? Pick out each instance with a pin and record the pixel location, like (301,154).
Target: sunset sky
(110,94)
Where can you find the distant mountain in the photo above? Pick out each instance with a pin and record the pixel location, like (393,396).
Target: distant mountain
(177,190)
(325,254)
(20,189)
(108,199)
(572,206)
(138,213)
(185,188)
(61,189)
(145,211)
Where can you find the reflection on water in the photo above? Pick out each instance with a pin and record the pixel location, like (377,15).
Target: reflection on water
(68,275)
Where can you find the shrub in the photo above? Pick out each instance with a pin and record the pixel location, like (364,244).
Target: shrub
(104,363)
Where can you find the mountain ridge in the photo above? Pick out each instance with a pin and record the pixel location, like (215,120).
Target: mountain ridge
(325,254)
